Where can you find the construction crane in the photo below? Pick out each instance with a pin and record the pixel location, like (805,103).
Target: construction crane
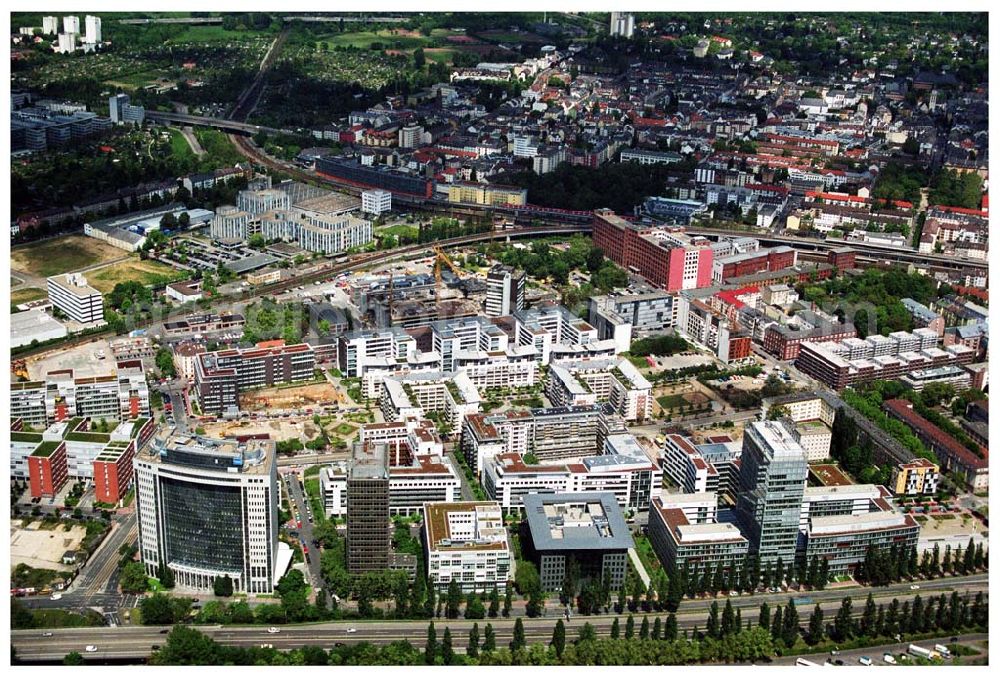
(441,257)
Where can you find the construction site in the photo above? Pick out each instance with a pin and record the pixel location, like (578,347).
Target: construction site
(419,293)
(298,397)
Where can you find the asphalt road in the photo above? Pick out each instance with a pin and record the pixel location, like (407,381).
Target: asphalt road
(298,500)
(135,642)
(97,584)
(875,653)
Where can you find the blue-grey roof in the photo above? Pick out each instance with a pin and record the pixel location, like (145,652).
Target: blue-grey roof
(608,532)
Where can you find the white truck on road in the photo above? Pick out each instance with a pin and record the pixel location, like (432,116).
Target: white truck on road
(920,651)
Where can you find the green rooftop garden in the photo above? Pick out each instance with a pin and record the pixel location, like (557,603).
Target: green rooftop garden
(46,448)
(92,437)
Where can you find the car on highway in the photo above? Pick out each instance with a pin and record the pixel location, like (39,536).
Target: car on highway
(46,634)
(351,630)
(888,659)
(91,649)
(164,631)
(865,660)
(914,587)
(56,597)
(273,630)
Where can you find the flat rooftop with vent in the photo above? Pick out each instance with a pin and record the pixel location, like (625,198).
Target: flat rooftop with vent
(573,521)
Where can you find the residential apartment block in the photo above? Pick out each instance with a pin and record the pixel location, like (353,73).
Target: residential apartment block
(219,377)
(591,381)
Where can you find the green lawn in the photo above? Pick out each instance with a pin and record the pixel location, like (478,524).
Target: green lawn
(216,34)
(179,146)
(218,146)
(440,55)
(400,230)
(364,39)
(669,401)
(136,80)
(147,273)
(344,429)
(644,549)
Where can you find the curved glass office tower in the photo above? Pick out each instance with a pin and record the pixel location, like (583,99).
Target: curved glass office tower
(209,508)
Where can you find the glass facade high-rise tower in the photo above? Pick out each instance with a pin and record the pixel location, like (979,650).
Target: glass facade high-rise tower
(209,508)
(773,476)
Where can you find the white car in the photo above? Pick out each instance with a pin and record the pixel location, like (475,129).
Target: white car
(56,597)
(91,649)
(351,630)
(273,630)
(914,587)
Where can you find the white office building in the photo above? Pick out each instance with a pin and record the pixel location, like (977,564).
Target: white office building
(622,24)
(71,24)
(504,291)
(376,202)
(74,297)
(232,223)
(256,202)
(467,542)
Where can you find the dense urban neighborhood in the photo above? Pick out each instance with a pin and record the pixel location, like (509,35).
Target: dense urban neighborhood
(550,338)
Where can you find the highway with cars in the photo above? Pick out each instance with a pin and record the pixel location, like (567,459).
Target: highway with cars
(135,642)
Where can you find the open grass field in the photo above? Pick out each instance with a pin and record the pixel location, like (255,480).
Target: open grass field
(215,34)
(62,254)
(345,429)
(27,295)
(136,80)
(440,54)
(364,39)
(668,401)
(218,146)
(179,146)
(148,273)
(508,36)
(400,230)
